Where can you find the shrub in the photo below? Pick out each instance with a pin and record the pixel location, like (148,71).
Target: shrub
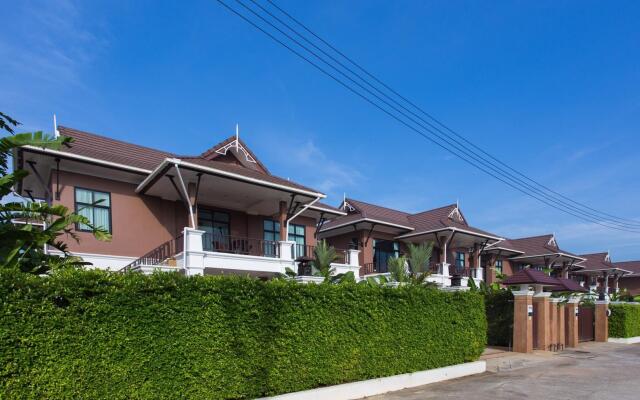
(499,311)
(90,334)
(624,321)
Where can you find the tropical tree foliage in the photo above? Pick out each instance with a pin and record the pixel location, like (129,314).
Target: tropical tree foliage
(27,227)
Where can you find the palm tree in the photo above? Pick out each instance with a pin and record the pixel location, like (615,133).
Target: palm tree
(397,267)
(419,256)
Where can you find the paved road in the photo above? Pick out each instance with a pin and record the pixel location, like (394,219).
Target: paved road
(592,371)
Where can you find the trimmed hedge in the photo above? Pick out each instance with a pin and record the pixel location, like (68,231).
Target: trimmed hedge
(90,334)
(499,311)
(624,321)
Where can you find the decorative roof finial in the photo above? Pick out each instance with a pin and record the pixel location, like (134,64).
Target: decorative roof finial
(237,135)
(56,134)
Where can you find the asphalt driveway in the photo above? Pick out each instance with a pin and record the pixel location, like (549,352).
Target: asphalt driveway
(592,371)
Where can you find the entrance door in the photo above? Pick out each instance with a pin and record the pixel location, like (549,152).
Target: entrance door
(586,323)
(382,251)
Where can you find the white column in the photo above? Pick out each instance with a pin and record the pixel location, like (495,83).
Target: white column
(193,253)
(286,250)
(353,257)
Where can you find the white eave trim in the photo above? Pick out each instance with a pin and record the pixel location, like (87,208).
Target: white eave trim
(85,158)
(222,173)
(550,254)
(607,269)
(327,210)
(372,221)
(452,229)
(492,247)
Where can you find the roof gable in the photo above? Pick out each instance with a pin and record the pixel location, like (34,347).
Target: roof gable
(233,150)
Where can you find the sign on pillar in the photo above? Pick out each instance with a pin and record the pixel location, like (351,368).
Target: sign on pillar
(523,321)
(541,311)
(571,322)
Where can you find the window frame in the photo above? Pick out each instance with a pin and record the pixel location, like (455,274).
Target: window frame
(499,266)
(456,259)
(109,208)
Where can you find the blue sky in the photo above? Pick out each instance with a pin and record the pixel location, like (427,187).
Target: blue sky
(552,88)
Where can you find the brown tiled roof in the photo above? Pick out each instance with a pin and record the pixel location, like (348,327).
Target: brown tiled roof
(633,266)
(117,151)
(530,276)
(430,220)
(568,285)
(372,211)
(537,245)
(250,173)
(211,154)
(438,218)
(328,207)
(596,261)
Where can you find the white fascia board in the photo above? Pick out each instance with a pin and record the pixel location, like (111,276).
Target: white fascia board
(373,221)
(550,254)
(85,158)
(493,247)
(327,210)
(218,172)
(452,229)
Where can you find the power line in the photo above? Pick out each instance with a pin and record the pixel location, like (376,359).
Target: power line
(447,138)
(431,117)
(489,172)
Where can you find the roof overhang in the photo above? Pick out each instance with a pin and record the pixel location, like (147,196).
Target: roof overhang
(452,230)
(327,211)
(225,190)
(168,163)
(496,248)
(557,257)
(601,271)
(369,221)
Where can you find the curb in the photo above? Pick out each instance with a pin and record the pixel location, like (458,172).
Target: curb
(372,387)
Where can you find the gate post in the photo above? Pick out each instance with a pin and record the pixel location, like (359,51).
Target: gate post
(602,321)
(571,318)
(553,324)
(522,320)
(541,307)
(561,325)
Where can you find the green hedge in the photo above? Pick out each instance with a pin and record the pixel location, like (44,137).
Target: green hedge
(89,334)
(499,311)
(624,321)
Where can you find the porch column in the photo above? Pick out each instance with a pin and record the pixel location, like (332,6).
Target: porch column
(571,319)
(476,262)
(605,288)
(616,283)
(602,321)
(565,270)
(193,253)
(541,314)
(282,219)
(522,320)
(193,195)
(491,269)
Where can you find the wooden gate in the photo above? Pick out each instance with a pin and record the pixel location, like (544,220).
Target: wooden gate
(586,323)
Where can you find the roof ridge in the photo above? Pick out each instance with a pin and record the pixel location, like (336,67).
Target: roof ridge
(376,205)
(435,209)
(114,140)
(533,237)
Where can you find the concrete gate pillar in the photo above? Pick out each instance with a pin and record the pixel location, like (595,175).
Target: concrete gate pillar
(561,326)
(522,320)
(602,321)
(571,319)
(553,324)
(541,314)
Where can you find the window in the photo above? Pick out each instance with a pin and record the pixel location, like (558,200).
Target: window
(296,234)
(95,206)
(459,259)
(382,251)
(216,226)
(499,266)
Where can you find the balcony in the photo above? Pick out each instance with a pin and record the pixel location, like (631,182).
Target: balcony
(201,253)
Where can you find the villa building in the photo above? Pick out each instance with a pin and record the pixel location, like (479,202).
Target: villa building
(221,211)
